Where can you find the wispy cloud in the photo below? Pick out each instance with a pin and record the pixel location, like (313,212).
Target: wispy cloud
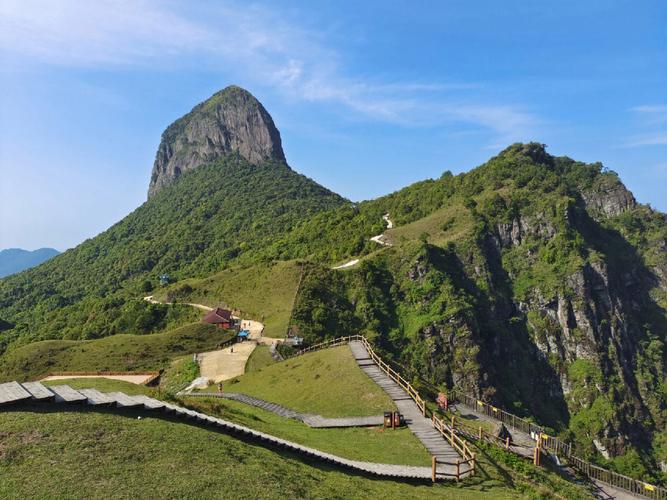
(651,117)
(650,109)
(658,139)
(259,43)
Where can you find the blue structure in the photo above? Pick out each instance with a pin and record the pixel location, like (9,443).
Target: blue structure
(243,335)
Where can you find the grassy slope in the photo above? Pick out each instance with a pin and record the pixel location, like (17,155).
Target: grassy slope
(327,382)
(115,353)
(97,454)
(264,292)
(259,358)
(198,225)
(372,444)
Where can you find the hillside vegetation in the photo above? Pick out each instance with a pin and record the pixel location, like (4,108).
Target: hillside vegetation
(97,452)
(327,382)
(528,266)
(264,292)
(204,221)
(115,353)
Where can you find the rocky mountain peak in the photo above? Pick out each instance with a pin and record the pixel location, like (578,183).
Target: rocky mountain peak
(231,121)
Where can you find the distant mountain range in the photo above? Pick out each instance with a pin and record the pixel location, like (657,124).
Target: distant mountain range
(14,260)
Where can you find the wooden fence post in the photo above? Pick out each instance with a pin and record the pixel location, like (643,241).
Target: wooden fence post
(507,443)
(434,462)
(480,432)
(474,463)
(458,470)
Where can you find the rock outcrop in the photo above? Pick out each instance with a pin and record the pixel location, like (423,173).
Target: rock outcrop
(232,121)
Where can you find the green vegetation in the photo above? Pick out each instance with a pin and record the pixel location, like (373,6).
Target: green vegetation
(515,268)
(373,444)
(115,353)
(179,374)
(175,460)
(259,358)
(199,225)
(327,382)
(264,292)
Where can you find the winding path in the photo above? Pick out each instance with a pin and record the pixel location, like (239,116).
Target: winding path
(310,419)
(14,393)
(380,239)
(225,364)
(418,424)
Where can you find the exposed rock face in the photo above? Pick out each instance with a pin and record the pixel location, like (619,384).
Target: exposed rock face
(230,122)
(610,200)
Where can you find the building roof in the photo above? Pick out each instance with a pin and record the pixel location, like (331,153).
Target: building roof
(217,316)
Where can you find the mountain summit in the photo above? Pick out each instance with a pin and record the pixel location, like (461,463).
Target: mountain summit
(230,121)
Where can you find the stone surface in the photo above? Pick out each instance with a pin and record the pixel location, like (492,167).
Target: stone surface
(232,121)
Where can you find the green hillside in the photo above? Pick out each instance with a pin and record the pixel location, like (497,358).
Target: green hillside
(264,292)
(200,224)
(115,353)
(327,382)
(97,452)
(529,264)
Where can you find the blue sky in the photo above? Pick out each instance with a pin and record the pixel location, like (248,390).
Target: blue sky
(368,96)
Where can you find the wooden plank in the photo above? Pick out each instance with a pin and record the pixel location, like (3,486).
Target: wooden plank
(123,400)
(11,392)
(96,397)
(149,403)
(65,394)
(38,391)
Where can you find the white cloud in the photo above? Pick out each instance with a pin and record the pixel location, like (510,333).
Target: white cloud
(650,109)
(658,139)
(652,118)
(259,43)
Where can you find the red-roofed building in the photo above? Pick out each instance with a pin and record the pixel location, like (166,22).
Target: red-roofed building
(221,317)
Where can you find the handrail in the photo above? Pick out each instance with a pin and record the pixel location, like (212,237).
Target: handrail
(451,434)
(557,446)
(448,433)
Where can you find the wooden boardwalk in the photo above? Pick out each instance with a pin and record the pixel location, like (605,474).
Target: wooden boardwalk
(14,393)
(310,419)
(418,424)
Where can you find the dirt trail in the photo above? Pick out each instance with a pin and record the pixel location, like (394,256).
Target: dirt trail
(198,306)
(227,363)
(380,239)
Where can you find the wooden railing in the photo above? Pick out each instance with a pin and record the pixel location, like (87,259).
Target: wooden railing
(452,433)
(448,433)
(564,450)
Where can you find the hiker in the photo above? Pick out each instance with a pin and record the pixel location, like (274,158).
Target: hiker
(220,387)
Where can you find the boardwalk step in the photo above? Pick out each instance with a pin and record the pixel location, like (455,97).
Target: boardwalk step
(65,394)
(122,400)
(96,397)
(38,391)
(421,426)
(12,392)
